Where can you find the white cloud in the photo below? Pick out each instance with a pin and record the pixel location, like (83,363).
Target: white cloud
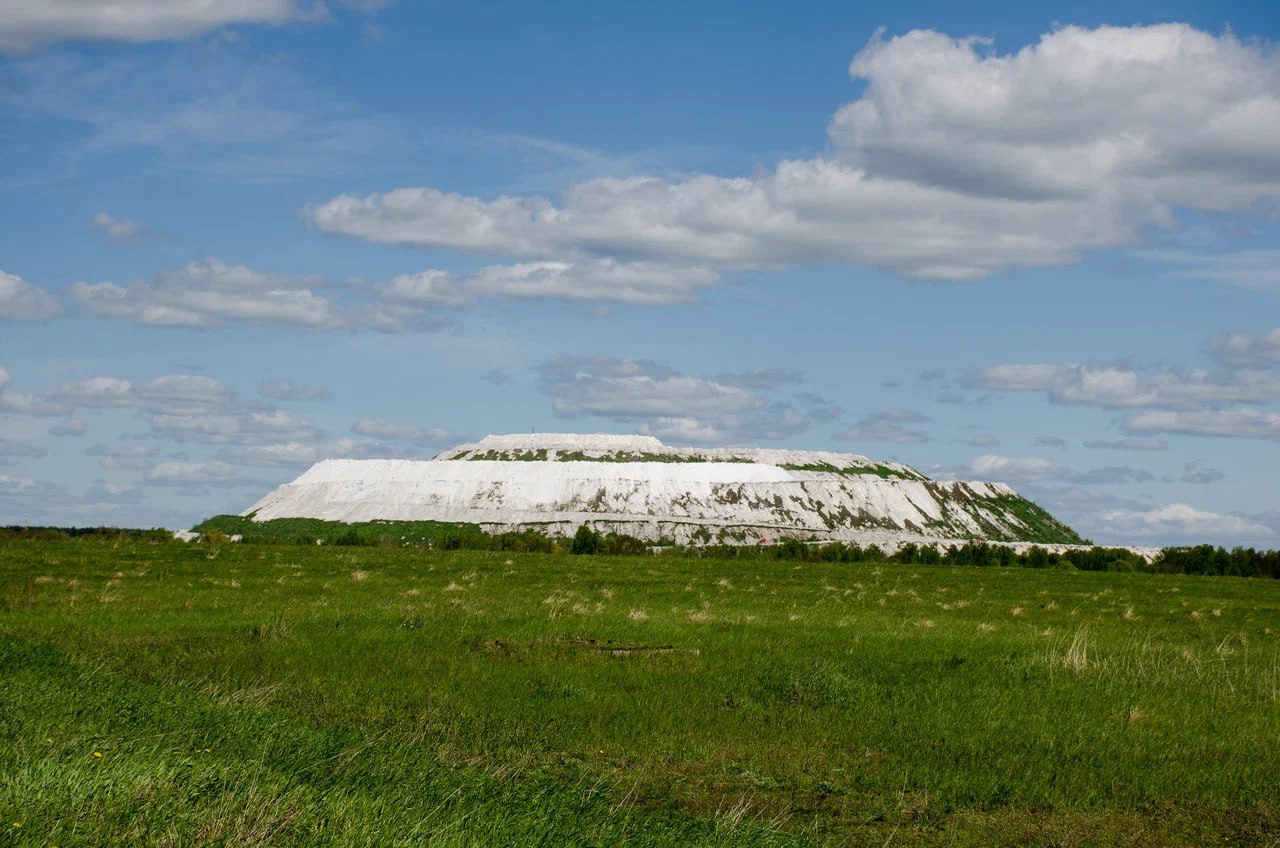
(20,300)
(1243,423)
(210,293)
(994,466)
(128,456)
(1127,444)
(642,283)
(1137,117)
(380,429)
(234,428)
(185,473)
(1180,520)
(1047,475)
(11,448)
(1198,473)
(121,230)
(287,390)
(294,454)
(956,161)
(1254,269)
(632,390)
(27,25)
(806,212)
(174,393)
(887,426)
(68,427)
(25,404)
(1124,388)
(677,430)
(189,408)
(1244,350)
(761,378)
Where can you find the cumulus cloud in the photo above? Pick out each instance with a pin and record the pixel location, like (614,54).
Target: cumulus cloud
(12,448)
(1241,423)
(381,429)
(122,230)
(171,393)
(821,408)
(1183,521)
(641,283)
(1152,115)
(131,456)
(1043,472)
(889,425)
(29,25)
(1127,444)
(675,430)
(19,300)
(1114,387)
(636,389)
(68,427)
(1198,473)
(294,454)
(761,378)
(776,421)
(955,162)
(247,427)
(994,466)
(1244,350)
(1253,269)
(187,473)
(211,293)
(287,390)
(189,408)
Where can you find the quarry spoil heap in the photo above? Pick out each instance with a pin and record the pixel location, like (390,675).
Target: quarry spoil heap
(637,485)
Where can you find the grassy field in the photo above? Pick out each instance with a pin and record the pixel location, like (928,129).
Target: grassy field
(239,695)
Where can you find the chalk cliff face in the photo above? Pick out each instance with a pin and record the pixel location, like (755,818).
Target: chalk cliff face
(639,486)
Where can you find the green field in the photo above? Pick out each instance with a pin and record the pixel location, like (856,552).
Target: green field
(165,694)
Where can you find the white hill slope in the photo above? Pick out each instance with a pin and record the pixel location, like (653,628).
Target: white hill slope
(639,486)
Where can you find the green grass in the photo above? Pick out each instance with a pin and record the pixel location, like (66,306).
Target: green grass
(884,472)
(248,695)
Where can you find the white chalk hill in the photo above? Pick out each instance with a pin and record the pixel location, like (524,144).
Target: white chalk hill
(639,486)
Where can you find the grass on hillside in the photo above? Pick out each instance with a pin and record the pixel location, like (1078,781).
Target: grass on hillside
(247,695)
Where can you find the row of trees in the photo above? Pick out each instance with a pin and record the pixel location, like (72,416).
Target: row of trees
(1200,559)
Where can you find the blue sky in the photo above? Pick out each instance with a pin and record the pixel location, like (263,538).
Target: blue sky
(1017,242)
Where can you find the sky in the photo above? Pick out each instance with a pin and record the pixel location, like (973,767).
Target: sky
(1027,242)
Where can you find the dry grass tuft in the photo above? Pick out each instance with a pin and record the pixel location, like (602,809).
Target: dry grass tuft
(1077,656)
(638,615)
(359,576)
(1015,611)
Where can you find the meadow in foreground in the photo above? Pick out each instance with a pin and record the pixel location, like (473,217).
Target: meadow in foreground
(257,694)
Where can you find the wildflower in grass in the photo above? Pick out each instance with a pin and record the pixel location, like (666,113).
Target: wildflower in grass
(97,755)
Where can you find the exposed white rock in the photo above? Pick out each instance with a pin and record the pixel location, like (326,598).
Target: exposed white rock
(639,486)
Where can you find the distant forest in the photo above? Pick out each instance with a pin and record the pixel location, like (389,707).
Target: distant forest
(431,535)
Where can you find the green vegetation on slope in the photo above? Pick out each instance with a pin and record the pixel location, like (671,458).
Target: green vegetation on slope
(289,695)
(884,472)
